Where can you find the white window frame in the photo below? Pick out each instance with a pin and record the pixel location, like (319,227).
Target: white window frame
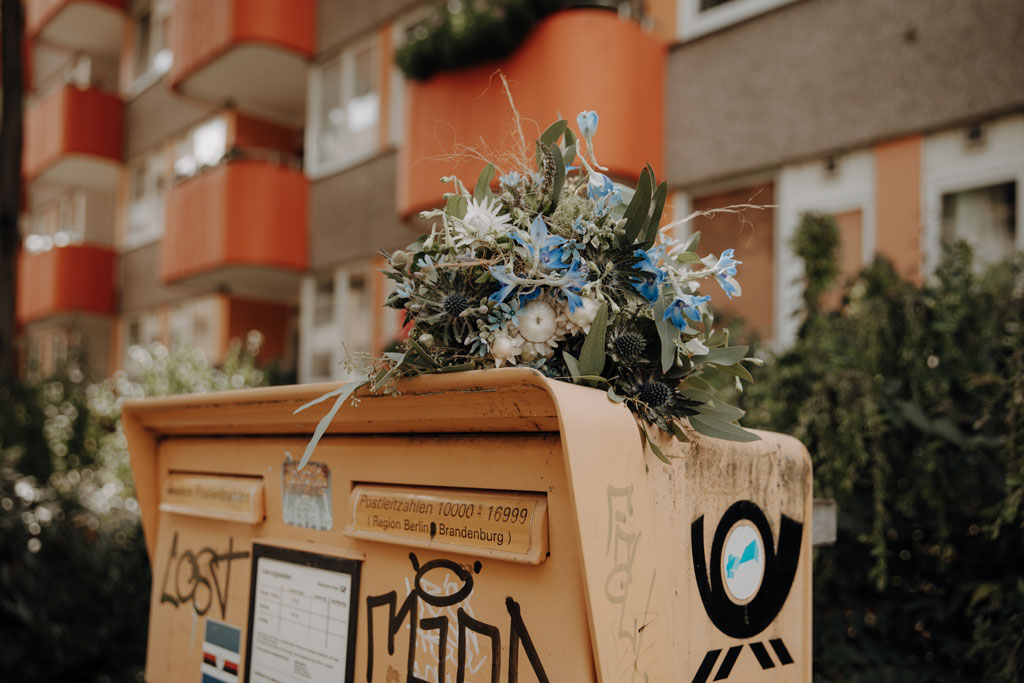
(692,22)
(315,166)
(156,64)
(154,201)
(331,336)
(999,159)
(809,187)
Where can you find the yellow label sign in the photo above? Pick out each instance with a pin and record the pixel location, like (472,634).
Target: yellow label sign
(214,496)
(503,523)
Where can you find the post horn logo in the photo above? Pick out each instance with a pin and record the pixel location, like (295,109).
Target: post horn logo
(746,581)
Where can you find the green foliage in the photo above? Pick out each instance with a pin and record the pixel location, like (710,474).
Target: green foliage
(911,402)
(816,242)
(468,32)
(74,575)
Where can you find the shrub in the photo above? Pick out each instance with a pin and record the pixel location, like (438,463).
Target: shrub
(74,575)
(911,402)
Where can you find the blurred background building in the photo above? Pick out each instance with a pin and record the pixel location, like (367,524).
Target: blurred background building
(199,168)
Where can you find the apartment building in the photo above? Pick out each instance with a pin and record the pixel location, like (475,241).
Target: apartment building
(197,168)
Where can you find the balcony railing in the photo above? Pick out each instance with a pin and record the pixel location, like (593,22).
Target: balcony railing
(251,53)
(73,136)
(95,26)
(576,60)
(71,279)
(246,213)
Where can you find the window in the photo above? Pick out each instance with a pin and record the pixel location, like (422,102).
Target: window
(151,56)
(203,146)
(697,17)
(337,319)
(57,223)
(984,217)
(345,106)
(148,191)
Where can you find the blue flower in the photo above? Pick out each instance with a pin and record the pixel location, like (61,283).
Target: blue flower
(587,123)
(685,307)
(649,282)
(507,283)
(599,185)
(724,271)
(512,178)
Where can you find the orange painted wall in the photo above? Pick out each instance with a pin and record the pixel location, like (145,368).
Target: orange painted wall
(557,71)
(65,280)
(253,132)
(898,204)
(752,235)
(251,213)
(201,29)
(38,13)
(71,121)
(268,317)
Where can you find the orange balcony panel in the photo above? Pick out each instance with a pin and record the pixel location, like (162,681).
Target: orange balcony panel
(575,60)
(73,136)
(252,53)
(82,25)
(71,279)
(242,213)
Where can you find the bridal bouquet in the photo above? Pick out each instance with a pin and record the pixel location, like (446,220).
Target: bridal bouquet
(559,268)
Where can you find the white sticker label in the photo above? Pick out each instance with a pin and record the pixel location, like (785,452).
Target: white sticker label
(743,561)
(300,624)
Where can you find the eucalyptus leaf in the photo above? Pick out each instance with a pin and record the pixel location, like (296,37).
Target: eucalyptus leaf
(572,364)
(697,383)
(654,447)
(687,257)
(483,183)
(592,356)
(636,213)
(736,370)
(650,231)
(699,395)
(678,432)
(725,355)
(570,153)
(461,367)
(343,394)
(667,333)
(550,135)
(721,410)
(615,397)
(456,206)
(720,429)
(422,352)
(570,138)
(692,242)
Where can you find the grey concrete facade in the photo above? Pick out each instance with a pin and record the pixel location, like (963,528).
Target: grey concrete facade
(823,76)
(352,214)
(141,287)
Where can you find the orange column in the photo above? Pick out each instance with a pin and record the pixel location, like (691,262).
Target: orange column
(898,204)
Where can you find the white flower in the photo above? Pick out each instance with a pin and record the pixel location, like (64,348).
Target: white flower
(580,320)
(483,222)
(541,327)
(505,348)
(696,347)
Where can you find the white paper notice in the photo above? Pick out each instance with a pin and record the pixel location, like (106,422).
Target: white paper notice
(300,624)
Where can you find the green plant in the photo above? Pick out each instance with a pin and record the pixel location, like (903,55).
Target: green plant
(911,402)
(468,32)
(74,575)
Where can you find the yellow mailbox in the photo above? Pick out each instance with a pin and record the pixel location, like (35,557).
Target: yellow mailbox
(480,527)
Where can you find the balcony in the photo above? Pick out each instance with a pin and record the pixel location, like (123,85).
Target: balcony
(73,137)
(244,223)
(556,71)
(71,279)
(95,26)
(250,53)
